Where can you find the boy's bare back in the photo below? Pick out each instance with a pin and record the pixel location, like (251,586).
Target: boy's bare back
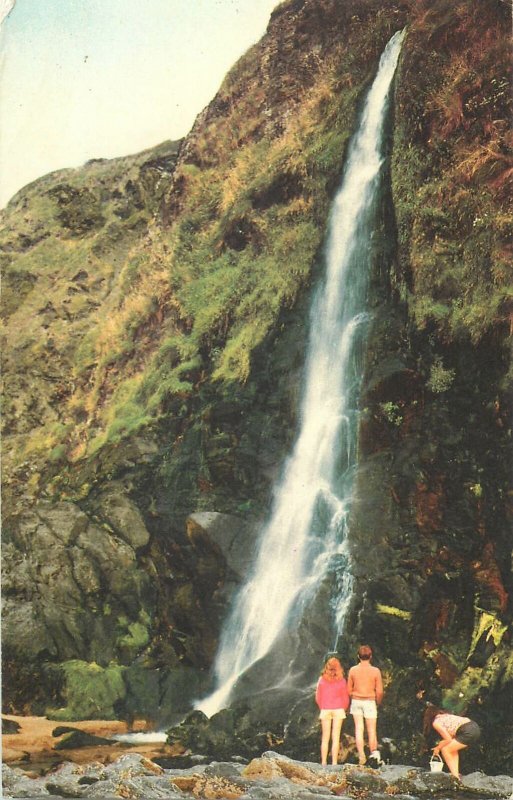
(365,683)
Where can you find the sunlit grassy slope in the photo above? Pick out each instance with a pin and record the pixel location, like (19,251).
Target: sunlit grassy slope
(112,310)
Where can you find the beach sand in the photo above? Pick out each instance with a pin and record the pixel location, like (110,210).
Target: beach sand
(32,747)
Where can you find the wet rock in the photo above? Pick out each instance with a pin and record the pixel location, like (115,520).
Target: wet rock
(385,796)
(178,687)
(62,729)
(77,738)
(181,763)
(220,737)
(231,535)
(403,778)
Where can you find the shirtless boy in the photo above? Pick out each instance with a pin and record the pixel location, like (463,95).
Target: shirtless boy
(365,688)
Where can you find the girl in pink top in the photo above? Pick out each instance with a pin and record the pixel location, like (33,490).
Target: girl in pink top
(333,700)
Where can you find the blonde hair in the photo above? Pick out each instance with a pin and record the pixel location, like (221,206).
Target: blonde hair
(333,670)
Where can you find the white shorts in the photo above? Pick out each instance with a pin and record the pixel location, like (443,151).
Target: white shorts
(365,708)
(332,713)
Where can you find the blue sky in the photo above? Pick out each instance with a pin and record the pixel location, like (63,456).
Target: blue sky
(84,79)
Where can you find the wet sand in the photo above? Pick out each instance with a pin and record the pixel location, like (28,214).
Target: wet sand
(32,747)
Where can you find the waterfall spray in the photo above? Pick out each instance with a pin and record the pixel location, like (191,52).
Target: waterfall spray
(306,537)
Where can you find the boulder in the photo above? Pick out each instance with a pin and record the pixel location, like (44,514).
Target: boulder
(16,784)
(123,515)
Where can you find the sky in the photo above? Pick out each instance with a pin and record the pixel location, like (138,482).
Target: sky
(83,79)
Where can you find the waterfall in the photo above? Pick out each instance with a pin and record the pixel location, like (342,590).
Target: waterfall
(305,539)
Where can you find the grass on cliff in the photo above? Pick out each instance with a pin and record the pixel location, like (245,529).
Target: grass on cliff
(202,296)
(453,169)
(182,305)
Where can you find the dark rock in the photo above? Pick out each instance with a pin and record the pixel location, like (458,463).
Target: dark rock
(231,535)
(60,729)
(143,693)
(77,738)
(178,688)
(180,762)
(389,750)
(10,726)
(217,737)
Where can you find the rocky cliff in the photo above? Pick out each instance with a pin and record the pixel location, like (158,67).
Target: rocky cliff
(154,314)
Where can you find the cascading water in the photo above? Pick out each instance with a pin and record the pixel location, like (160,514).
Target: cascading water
(305,539)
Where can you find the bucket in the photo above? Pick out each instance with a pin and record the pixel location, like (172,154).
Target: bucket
(436,764)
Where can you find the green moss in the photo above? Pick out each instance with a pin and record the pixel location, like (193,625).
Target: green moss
(440,378)
(133,636)
(475,681)
(90,691)
(489,624)
(392,413)
(145,320)
(393,611)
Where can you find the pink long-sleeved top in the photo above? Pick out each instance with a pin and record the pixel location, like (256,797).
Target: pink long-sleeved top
(332,694)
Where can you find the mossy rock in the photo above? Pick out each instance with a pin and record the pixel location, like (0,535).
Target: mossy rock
(91,691)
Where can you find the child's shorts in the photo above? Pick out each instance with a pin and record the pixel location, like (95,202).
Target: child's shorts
(332,713)
(468,733)
(365,708)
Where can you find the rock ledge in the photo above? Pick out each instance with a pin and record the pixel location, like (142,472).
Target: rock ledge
(270,777)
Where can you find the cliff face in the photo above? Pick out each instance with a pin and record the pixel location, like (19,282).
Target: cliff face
(431,524)
(155,321)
